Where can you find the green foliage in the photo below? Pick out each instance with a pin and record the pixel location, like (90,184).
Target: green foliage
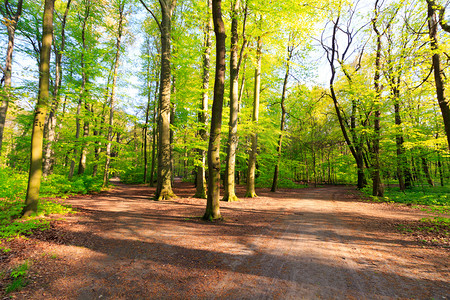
(13,185)
(58,185)
(18,275)
(436,198)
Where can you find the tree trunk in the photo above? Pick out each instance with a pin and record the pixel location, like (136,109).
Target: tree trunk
(113,95)
(11,24)
(426,171)
(251,193)
(212,207)
(377,186)
(84,93)
(51,123)
(230,194)
(154,133)
(438,71)
(283,119)
(201,173)
(147,112)
(37,138)
(164,186)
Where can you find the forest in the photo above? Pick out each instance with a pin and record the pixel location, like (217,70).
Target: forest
(230,149)
(259,93)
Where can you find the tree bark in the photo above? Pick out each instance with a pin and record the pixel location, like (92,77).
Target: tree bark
(51,122)
(37,138)
(438,71)
(84,93)
(201,173)
(147,112)
(377,186)
(154,133)
(290,50)
(113,94)
(230,194)
(426,171)
(212,207)
(164,185)
(251,193)
(10,21)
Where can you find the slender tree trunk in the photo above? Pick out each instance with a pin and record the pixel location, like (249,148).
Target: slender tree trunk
(99,131)
(283,119)
(201,173)
(113,95)
(164,186)
(251,193)
(11,24)
(439,76)
(51,123)
(37,138)
(212,206)
(235,62)
(84,94)
(377,186)
(154,133)
(441,171)
(426,171)
(147,113)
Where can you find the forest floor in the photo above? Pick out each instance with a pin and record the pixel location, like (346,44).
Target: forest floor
(293,244)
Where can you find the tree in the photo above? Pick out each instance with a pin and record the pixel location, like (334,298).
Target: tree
(212,207)
(120,7)
(51,122)
(164,186)
(290,50)
(354,141)
(376,178)
(439,76)
(235,63)
(251,172)
(10,19)
(206,64)
(35,174)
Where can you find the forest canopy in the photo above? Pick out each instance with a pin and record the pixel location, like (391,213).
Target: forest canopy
(262,93)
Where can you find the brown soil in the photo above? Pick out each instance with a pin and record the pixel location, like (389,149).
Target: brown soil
(307,243)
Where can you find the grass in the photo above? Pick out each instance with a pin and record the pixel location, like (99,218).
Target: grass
(435,200)
(19,277)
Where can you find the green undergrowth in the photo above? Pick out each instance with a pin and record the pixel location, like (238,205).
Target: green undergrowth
(13,187)
(18,277)
(433,199)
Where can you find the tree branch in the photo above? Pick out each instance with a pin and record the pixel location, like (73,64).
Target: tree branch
(153,15)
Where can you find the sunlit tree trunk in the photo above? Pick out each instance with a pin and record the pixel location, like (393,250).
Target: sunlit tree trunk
(254,136)
(51,122)
(283,120)
(154,132)
(147,112)
(10,20)
(37,138)
(164,185)
(377,186)
(113,94)
(235,63)
(83,96)
(212,207)
(201,173)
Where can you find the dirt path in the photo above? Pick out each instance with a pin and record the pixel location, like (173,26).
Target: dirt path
(294,244)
